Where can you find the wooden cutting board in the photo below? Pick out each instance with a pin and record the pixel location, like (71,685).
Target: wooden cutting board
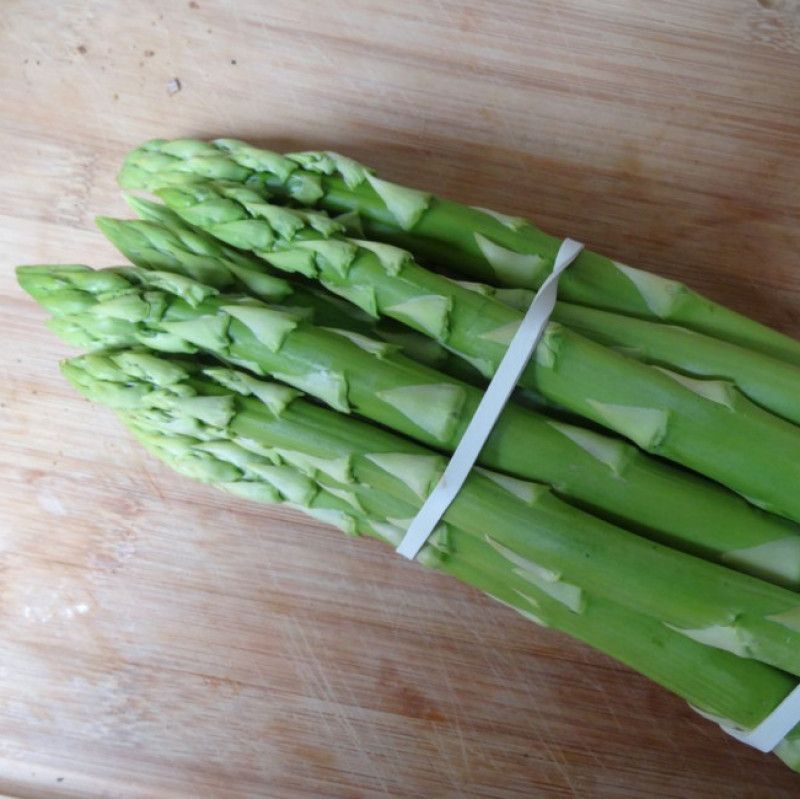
(161,640)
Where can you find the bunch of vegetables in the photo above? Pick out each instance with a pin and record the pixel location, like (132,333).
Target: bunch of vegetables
(294,329)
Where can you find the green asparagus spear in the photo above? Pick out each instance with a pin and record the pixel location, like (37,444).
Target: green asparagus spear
(682,419)
(477,242)
(122,307)
(231,430)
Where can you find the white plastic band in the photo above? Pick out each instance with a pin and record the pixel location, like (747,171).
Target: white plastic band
(490,407)
(774,728)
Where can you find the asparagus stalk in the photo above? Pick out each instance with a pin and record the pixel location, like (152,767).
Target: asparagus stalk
(664,413)
(123,307)
(231,430)
(480,243)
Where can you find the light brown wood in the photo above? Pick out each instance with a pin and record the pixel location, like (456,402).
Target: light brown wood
(161,640)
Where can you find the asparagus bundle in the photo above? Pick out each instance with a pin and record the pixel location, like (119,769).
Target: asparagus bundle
(481,243)
(665,413)
(123,307)
(199,334)
(262,441)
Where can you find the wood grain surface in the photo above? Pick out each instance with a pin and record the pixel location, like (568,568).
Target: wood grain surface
(161,640)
